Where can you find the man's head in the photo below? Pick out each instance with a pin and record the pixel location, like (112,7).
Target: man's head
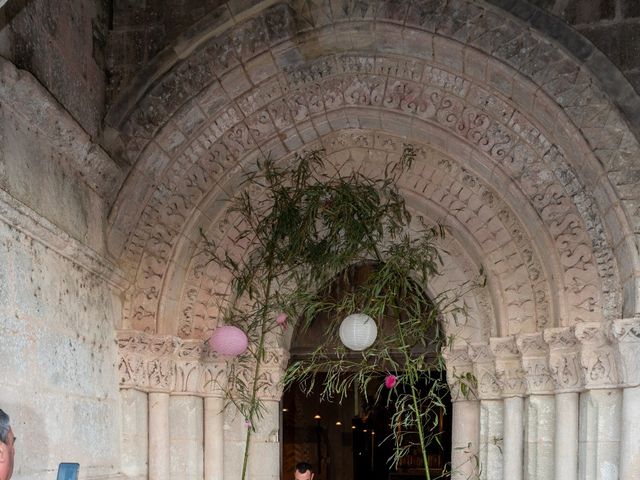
(303,471)
(7,450)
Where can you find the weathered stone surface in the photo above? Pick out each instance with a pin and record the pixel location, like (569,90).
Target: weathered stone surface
(60,352)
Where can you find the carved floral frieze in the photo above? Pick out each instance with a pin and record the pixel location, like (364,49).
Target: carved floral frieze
(562,359)
(156,363)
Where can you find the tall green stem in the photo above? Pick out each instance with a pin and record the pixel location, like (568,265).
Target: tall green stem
(414,376)
(259,356)
(414,394)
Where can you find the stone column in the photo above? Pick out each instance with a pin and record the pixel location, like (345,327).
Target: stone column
(159,437)
(491,413)
(264,463)
(511,380)
(539,407)
(564,364)
(213,438)
(186,418)
(566,436)
(465,438)
(465,435)
(513,437)
(626,333)
(600,405)
(135,433)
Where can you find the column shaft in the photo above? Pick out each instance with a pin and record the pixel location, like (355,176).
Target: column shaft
(539,432)
(630,437)
(213,438)
(465,439)
(566,436)
(491,439)
(159,440)
(513,437)
(599,449)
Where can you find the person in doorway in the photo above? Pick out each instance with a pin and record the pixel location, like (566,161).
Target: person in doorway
(7,449)
(303,471)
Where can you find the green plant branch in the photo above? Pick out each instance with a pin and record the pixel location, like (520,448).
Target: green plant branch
(306,228)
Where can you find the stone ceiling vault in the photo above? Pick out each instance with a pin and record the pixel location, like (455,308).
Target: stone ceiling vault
(521,154)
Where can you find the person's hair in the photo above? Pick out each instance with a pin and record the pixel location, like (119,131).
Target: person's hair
(4,426)
(302,467)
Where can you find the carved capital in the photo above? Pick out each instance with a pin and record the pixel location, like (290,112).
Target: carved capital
(275,364)
(564,359)
(509,370)
(484,368)
(626,340)
(535,363)
(158,363)
(597,356)
(460,375)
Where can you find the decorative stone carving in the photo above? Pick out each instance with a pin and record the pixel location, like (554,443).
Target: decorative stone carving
(460,376)
(626,335)
(484,368)
(535,363)
(550,199)
(597,356)
(168,364)
(509,370)
(564,359)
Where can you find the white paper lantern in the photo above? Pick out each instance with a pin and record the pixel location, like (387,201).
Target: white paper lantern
(358,331)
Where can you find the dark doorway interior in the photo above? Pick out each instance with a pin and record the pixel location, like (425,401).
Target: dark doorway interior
(346,441)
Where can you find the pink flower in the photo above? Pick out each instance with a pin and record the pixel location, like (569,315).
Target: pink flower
(390,381)
(247,423)
(281,320)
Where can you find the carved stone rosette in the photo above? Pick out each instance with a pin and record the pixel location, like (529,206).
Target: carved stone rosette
(626,339)
(159,363)
(509,370)
(460,374)
(535,363)
(564,359)
(597,356)
(484,368)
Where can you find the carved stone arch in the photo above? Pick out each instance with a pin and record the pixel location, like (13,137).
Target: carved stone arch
(197,284)
(193,233)
(170,152)
(190,278)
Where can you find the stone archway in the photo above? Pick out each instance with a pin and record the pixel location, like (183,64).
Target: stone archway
(520,154)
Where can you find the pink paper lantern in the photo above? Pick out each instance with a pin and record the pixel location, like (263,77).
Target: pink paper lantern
(229,341)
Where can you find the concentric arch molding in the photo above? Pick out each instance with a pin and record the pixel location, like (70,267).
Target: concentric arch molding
(481,221)
(454,34)
(546,202)
(515,134)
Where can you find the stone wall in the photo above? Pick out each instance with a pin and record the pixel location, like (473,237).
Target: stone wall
(60,300)
(140,32)
(57,354)
(612,25)
(61,43)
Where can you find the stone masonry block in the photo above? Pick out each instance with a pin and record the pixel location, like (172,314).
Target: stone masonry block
(235,82)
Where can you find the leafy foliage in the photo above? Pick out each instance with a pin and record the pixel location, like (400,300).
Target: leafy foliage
(307,225)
